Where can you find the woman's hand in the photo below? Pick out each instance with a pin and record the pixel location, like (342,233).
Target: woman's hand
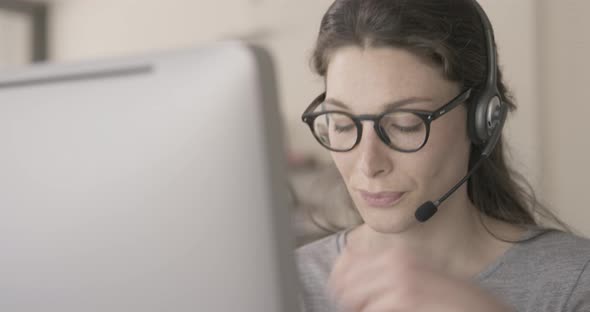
(395,281)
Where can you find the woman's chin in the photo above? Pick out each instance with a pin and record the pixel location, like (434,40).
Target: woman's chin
(388,221)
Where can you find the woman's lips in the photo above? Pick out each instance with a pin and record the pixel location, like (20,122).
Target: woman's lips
(381,199)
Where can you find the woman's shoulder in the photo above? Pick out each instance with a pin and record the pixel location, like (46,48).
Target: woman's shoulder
(320,253)
(549,268)
(548,254)
(540,257)
(314,262)
(557,246)
(551,253)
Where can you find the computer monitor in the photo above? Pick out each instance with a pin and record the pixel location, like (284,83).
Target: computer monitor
(150,183)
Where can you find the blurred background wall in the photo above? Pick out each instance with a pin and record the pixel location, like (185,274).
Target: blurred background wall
(563,46)
(15,45)
(542,46)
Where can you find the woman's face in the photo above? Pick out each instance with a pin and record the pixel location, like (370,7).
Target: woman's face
(387,185)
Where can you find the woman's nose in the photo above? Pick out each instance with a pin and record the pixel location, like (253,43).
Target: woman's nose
(375,157)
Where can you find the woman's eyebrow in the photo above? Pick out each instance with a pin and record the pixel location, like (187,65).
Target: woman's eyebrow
(387,106)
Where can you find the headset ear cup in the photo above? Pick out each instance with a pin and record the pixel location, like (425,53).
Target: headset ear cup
(471,122)
(476,121)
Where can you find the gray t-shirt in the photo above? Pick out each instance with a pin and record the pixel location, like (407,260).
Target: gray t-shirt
(547,273)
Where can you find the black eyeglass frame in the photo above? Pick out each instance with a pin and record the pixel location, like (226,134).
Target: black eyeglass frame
(426,116)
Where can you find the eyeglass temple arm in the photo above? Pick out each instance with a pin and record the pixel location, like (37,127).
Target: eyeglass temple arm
(319,100)
(452,104)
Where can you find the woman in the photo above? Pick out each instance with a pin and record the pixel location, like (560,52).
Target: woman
(409,111)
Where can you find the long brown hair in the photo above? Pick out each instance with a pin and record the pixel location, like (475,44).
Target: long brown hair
(450,34)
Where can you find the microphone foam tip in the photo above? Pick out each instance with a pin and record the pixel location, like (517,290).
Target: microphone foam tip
(426,211)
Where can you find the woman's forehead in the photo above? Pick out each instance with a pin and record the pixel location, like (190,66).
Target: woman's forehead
(384,75)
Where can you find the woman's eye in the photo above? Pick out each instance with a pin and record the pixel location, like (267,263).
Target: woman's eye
(344,128)
(402,122)
(414,128)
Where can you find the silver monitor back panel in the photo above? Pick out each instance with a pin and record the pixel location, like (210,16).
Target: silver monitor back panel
(144,184)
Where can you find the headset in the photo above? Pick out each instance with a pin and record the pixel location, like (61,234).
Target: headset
(487,113)
(486,117)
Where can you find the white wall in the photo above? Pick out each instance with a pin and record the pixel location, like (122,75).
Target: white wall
(540,135)
(15,42)
(564,44)
(96,28)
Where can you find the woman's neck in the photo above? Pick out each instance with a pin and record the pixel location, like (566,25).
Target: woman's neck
(455,240)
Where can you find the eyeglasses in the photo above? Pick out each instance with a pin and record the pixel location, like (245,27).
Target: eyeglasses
(403,130)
